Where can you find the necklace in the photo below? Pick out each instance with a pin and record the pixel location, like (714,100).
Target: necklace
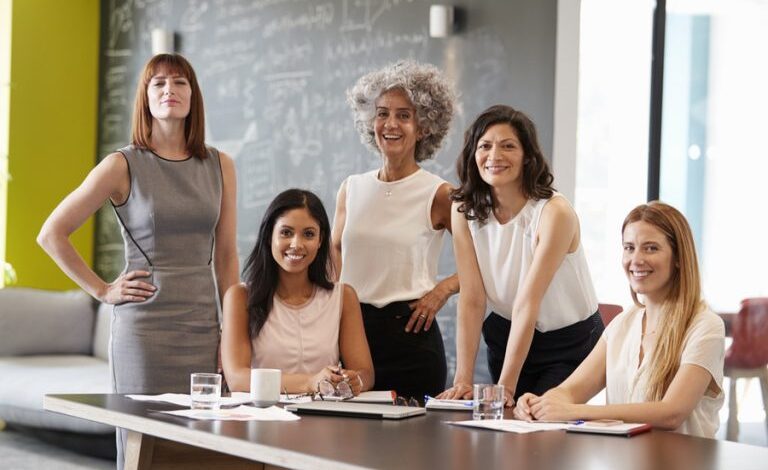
(643,334)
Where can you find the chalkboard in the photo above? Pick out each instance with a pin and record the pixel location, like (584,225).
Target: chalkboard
(274,75)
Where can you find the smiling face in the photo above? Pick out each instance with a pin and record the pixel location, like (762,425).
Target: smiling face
(295,240)
(499,156)
(169,95)
(648,261)
(395,126)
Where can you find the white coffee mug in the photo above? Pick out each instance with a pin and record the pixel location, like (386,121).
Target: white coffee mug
(265,386)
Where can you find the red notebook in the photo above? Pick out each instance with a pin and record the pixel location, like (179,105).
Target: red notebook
(611,427)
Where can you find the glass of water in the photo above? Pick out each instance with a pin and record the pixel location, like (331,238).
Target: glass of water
(205,390)
(488,401)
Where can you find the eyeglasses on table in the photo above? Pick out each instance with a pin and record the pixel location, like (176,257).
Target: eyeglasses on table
(327,390)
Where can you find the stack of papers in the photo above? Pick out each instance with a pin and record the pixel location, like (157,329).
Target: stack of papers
(457,405)
(379,396)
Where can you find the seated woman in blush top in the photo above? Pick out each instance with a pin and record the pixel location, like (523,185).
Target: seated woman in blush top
(661,361)
(288,314)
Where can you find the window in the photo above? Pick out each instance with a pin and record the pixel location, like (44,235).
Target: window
(714,167)
(612,149)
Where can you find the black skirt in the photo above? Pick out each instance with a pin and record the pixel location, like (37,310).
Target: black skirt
(553,355)
(411,364)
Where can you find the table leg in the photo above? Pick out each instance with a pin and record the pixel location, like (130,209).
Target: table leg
(138,451)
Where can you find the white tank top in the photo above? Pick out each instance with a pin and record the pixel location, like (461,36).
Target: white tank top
(505,253)
(301,339)
(389,249)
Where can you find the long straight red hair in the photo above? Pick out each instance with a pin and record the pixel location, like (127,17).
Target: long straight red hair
(194,124)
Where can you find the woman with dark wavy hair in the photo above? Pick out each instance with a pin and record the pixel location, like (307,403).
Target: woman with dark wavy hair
(518,251)
(390,224)
(289,314)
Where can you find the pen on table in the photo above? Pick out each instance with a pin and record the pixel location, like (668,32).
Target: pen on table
(576,421)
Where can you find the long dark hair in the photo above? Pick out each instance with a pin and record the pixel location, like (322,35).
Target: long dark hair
(473,193)
(261,270)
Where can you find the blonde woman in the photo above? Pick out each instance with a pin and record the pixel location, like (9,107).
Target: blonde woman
(661,361)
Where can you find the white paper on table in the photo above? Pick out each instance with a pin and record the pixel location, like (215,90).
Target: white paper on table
(511,425)
(245,399)
(441,404)
(182,399)
(289,399)
(241,413)
(175,398)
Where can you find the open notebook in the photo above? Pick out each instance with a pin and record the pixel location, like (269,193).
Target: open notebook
(616,428)
(361,410)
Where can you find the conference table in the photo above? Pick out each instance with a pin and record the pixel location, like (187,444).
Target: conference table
(161,441)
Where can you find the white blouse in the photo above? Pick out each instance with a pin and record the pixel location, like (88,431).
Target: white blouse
(704,346)
(505,254)
(390,251)
(301,339)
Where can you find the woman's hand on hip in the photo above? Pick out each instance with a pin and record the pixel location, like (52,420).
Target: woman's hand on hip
(126,288)
(425,310)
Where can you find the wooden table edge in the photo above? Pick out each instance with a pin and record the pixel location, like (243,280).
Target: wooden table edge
(205,440)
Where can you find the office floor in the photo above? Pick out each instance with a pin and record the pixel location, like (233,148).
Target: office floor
(22,452)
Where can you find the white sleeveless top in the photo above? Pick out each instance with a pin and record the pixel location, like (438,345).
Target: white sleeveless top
(505,253)
(301,339)
(389,249)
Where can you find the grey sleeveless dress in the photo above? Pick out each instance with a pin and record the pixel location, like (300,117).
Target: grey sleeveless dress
(168,224)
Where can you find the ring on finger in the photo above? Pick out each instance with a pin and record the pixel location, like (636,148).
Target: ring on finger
(421,315)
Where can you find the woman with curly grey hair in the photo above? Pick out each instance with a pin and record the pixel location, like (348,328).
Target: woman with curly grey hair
(390,224)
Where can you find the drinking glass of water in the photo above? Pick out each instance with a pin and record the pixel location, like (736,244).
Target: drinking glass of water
(205,390)
(488,401)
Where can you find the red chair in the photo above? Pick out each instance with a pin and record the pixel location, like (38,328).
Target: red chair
(748,356)
(608,312)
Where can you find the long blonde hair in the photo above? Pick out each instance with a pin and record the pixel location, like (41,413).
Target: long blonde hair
(683,301)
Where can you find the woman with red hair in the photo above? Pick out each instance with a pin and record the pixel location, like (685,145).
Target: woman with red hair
(175,200)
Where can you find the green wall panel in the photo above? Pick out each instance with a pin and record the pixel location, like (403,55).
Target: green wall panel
(53,126)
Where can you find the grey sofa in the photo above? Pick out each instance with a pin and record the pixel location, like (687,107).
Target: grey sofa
(51,342)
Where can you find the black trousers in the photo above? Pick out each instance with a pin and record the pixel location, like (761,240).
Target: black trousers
(411,364)
(553,355)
